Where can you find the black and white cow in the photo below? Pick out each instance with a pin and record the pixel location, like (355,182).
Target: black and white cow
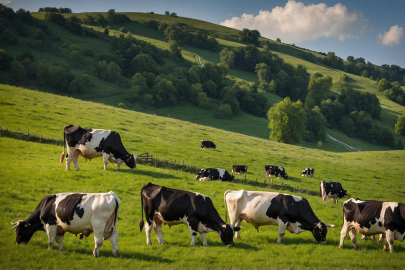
(169,206)
(75,213)
(91,143)
(373,217)
(207,144)
(238,169)
(333,190)
(308,172)
(259,208)
(210,174)
(276,171)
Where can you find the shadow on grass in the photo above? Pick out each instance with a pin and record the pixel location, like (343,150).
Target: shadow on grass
(151,174)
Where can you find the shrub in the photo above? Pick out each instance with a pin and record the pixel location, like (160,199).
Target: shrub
(5,60)
(202,100)
(224,111)
(122,105)
(80,84)
(18,71)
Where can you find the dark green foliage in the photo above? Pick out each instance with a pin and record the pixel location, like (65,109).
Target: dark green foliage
(333,61)
(152,24)
(354,100)
(175,49)
(227,58)
(165,93)
(81,84)
(315,125)
(5,60)
(109,72)
(117,18)
(332,110)
(76,57)
(55,18)
(54,9)
(399,145)
(287,121)
(400,125)
(173,14)
(224,111)
(143,63)
(250,36)
(18,71)
(202,100)
(24,16)
(60,78)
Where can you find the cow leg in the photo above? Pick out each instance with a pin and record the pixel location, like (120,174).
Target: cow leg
(237,224)
(51,233)
(353,237)
(343,234)
(59,237)
(148,230)
(204,239)
(158,229)
(98,230)
(192,228)
(389,240)
(71,158)
(105,160)
(281,229)
(381,239)
(114,242)
(334,198)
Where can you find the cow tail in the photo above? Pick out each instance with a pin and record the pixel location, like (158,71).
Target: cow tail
(226,210)
(141,222)
(64,145)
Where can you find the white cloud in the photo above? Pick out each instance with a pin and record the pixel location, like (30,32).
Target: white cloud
(296,22)
(6,2)
(391,37)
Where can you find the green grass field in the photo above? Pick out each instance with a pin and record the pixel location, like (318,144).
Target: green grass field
(32,170)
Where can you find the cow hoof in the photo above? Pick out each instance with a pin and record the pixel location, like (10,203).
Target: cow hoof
(61,249)
(95,255)
(357,248)
(116,254)
(148,244)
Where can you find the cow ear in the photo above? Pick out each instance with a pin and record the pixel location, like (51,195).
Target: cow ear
(236,229)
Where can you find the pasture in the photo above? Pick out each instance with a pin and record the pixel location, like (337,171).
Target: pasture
(31,171)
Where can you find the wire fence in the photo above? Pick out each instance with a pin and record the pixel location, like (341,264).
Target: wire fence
(178,165)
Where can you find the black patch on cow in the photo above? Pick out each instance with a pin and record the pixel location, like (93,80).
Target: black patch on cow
(334,188)
(379,224)
(208,144)
(69,206)
(213,174)
(113,144)
(77,135)
(194,233)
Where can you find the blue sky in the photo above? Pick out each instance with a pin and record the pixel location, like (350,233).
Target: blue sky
(374,30)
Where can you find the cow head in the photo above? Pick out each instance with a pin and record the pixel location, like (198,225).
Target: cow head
(285,176)
(130,160)
(24,232)
(319,232)
(226,233)
(342,193)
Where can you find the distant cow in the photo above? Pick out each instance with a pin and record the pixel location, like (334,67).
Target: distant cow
(333,190)
(210,174)
(259,208)
(276,171)
(308,172)
(171,207)
(75,213)
(238,169)
(91,143)
(207,144)
(373,217)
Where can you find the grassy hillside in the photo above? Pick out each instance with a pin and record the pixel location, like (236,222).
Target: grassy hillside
(112,94)
(32,170)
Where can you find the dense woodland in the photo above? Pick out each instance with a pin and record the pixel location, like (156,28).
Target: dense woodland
(145,71)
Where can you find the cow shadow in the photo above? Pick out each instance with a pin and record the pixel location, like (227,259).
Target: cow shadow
(151,174)
(136,256)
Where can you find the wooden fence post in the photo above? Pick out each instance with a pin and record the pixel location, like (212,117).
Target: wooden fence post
(307,191)
(155,161)
(271,182)
(28,132)
(182,164)
(40,138)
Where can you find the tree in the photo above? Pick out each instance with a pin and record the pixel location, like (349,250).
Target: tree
(278,40)
(315,125)
(399,145)
(202,100)
(76,57)
(263,71)
(318,89)
(227,58)
(80,85)
(167,13)
(173,14)
(400,125)
(287,121)
(5,60)
(175,49)
(383,85)
(224,111)
(18,71)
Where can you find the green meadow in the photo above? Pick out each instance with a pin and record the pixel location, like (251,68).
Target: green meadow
(32,170)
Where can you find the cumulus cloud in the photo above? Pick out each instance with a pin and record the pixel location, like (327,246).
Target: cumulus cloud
(296,22)
(391,37)
(6,2)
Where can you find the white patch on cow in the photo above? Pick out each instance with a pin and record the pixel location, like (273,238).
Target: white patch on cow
(295,228)
(182,220)
(280,168)
(203,229)
(355,201)
(296,198)
(221,173)
(205,179)
(199,194)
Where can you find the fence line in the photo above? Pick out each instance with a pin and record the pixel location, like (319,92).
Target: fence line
(147,159)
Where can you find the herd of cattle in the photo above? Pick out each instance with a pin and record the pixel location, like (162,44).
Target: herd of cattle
(80,213)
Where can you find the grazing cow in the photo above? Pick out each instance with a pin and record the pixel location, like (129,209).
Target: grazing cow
(276,171)
(373,217)
(207,144)
(308,172)
(238,169)
(260,208)
(333,190)
(169,206)
(91,143)
(74,213)
(210,174)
